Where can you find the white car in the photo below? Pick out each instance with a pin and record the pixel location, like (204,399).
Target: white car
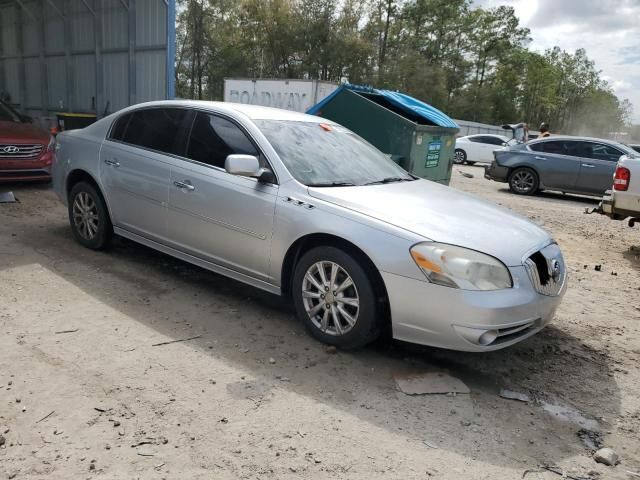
(478,148)
(624,200)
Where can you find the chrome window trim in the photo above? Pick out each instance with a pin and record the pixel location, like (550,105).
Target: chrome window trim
(190,160)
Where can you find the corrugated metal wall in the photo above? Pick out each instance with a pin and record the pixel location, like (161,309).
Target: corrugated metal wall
(87,56)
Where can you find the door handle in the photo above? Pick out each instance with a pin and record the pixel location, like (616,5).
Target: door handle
(113,163)
(540,158)
(588,165)
(186,185)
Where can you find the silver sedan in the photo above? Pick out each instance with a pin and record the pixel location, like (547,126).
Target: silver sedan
(301,207)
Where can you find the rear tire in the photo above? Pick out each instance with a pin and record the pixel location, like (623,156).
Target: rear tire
(459,156)
(89,217)
(524,181)
(335,299)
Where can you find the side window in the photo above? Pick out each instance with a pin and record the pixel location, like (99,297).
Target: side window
(553,147)
(578,149)
(605,152)
(475,139)
(494,141)
(120,127)
(158,129)
(213,138)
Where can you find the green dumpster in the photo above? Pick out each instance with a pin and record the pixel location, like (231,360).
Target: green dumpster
(415,135)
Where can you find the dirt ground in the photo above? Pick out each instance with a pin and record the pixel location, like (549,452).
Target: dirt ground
(255,397)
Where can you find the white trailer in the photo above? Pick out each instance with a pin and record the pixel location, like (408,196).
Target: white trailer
(296,95)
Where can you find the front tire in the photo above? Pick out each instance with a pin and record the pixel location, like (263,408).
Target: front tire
(335,299)
(88,216)
(459,156)
(524,181)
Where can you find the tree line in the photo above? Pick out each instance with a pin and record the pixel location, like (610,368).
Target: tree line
(472,63)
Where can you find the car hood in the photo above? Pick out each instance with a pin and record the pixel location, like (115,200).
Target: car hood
(443,214)
(15,132)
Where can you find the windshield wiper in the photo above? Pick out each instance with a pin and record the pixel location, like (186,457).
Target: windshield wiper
(391,180)
(331,184)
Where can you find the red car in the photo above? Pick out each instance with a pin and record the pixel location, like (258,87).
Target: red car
(26,151)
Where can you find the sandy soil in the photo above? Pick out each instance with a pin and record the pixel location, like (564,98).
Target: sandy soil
(255,397)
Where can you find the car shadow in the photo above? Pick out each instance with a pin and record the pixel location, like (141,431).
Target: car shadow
(553,367)
(547,195)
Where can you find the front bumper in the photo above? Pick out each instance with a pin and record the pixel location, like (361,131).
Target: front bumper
(496,172)
(444,317)
(26,169)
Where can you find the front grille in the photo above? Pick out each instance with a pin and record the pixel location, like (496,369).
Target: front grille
(547,270)
(20,151)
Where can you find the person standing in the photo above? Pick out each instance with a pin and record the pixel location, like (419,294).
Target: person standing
(544,130)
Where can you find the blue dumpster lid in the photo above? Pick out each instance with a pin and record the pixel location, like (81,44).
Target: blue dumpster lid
(399,100)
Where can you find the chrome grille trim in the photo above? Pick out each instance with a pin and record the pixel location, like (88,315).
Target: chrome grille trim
(20,151)
(552,287)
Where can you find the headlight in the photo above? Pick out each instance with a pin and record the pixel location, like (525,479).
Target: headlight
(459,267)
(52,144)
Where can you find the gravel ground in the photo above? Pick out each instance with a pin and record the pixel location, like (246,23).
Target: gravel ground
(254,397)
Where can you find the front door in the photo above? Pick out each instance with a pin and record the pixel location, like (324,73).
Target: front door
(135,170)
(216,216)
(597,167)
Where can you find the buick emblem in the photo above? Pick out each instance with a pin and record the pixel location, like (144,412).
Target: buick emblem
(555,270)
(11,149)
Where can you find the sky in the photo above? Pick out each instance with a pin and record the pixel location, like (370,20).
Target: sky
(606,29)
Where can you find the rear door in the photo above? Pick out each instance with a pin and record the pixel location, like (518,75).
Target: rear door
(597,167)
(135,168)
(219,217)
(556,167)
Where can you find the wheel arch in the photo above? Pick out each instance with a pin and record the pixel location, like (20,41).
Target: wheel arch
(80,175)
(309,241)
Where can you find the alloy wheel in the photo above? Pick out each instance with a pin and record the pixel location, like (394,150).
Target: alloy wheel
(330,298)
(458,156)
(85,215)
(523,181)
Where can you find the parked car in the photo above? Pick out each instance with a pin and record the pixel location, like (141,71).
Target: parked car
(623,200)
(300,206)
(568,164)
(478,148)
(25,150)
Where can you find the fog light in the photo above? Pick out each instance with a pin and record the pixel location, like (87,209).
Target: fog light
(487,338)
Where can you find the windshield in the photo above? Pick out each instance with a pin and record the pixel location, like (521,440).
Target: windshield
(319,154)
(8,114)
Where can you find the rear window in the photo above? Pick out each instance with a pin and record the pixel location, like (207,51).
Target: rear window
(160,129)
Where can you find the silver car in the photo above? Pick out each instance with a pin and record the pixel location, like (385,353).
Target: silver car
(301,207)
(580,165)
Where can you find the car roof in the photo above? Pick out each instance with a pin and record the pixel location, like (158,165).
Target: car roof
(254,112)
(575,139)
(486,135)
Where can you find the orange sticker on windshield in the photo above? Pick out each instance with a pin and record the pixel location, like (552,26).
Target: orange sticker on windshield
(325,127)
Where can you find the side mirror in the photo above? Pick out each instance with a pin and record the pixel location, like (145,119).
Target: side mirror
(243,165)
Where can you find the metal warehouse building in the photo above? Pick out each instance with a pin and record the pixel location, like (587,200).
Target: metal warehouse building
(85,56)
